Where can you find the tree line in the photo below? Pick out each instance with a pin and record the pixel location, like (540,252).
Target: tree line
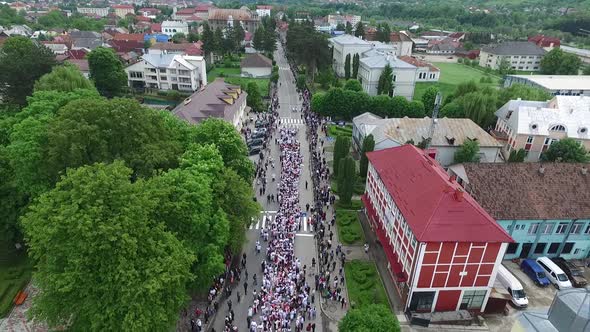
(123,208)
(308,47)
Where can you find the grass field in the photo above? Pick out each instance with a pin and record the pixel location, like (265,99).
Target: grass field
(451,74)
(232,76)
(15,273)
(349,227)
(364,284)
(335,130)
(355,204)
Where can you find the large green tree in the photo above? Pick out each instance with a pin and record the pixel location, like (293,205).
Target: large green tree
(22,62)
(355,65)
(468,152)
(347,67)
(348,28)
(106,71)
(359,30)
(385,84)
(254,99)
(102,262)
(374,317)
(208,40)
(341,150)
(428,99)
(353,85)
(566,150)
(65,78)
(558,62)
(346,179)
(368,146)
(258,39)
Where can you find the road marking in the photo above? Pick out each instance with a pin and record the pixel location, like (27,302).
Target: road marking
(264,221)
(304,221)
(304,234)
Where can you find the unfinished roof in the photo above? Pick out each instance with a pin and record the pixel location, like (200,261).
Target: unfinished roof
(256,60)
(215,100)
(436,208)
(514,48)
(418,63)
(559,82)
(511,191)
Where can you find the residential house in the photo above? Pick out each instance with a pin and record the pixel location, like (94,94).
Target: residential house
(93,11)
(519,54)
(448,136)
(88,40)
(545,42)
(56,48)
(171,28)
(346,45)
(562,85)
(82,65)
(17,30)
(334,20)
(263,10)
(402,43)
(193,14)
(122,10)
(404,74)
(221,18)
(156,38)
(426,71)
(445,46)
(581,53)
(442,248)
(149,12)
(217,99)
(543,206)
(168,72)
(256,65)
(534,125)
(181,48)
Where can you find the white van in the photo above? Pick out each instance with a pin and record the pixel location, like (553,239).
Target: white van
(513,286)
(554,273)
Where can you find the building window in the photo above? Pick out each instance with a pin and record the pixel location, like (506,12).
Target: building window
(512,248)
(567,248)
(548,228)
(577,251)
(561,228)
(163,78)
(533,228)
(553,248)
(473,299)
(540,248)
(576,228)
(587,229)
(557,128)
(530,139)
(136,74)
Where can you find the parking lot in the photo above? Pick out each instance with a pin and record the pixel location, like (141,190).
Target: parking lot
(540,298)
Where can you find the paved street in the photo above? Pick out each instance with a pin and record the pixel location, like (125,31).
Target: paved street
(305,247)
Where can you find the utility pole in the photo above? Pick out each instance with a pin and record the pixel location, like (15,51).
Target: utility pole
(437,102)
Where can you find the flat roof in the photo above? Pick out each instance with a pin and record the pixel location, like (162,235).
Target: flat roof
(559,82)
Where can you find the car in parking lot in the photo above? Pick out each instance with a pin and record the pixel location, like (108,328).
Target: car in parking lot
(535,272)
(555,274)
(572,271)
(257,134)
(254,142)
(254,150)
(259,123)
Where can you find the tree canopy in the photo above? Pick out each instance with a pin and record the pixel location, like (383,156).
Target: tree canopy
(368,146)
(566,150)
(65,78)
(374,317)
(106,71)
(22,62)
(558,62)
(385,84)
(468,152)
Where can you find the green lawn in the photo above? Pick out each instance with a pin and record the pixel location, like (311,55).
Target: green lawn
(335,130)
(349,227)
(213,74)
(355,205)
(364,284)
(359,186)
(451,74)
(232,76)
(15,273)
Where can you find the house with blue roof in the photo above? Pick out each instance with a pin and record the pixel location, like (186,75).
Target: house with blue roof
(156,38)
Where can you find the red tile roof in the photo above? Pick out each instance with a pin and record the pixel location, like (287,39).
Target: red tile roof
(436,208)
(417,62)
(143,19)
(545,41)
(122,7)
(129,36)
(186,11)
(156,27)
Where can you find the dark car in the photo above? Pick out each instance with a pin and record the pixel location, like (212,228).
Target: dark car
(572,272)
(254,150)
(259,123)
(257,135)
(254,142)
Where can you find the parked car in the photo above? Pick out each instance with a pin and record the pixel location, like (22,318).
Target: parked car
(257,135)
(572,271)
(513,286)
(554,273)
(254,142)
(260,130)
(259,123)
(254,150)
(535,272)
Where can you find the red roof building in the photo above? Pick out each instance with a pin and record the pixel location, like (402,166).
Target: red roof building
(545,42)
(443,249)
(156,27)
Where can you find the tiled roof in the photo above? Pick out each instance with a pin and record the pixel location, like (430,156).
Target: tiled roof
(399,37)
(349,40)
(435,208)
(511,191)
(236,14)
(380,60)
(256,60)
(514,48)
(129,36)
(215,100)
(418,63)
(82,64)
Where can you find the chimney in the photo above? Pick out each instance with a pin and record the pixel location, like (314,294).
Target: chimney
(584,171)
(459,195)
(541,170)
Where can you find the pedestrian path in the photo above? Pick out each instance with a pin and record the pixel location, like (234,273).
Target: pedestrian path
(266,218)
(292,121)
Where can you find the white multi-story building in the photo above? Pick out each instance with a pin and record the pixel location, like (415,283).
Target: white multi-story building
(122,10)
(93,11)
(168,72)
(404,74)
(520,55)
(334,20)
(263,10)
(171,28)
(344,45)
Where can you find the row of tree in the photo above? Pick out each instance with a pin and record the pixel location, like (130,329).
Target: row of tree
(222,42)
(351,69)
(347,103)
(124,209)
(308,47)
(265,37)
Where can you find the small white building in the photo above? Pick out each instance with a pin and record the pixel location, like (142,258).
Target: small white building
(171,28)
(168,72)
(426,72)
(449,135)
(122,10)
(404,74)
(256,65)
(93,11)
(263,10)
